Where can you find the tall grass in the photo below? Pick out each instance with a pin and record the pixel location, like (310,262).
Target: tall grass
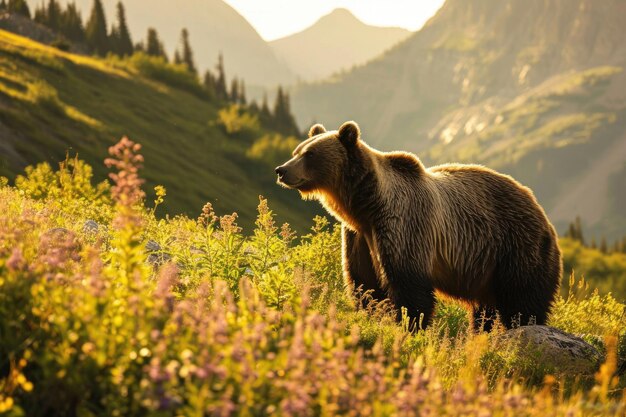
(134,315)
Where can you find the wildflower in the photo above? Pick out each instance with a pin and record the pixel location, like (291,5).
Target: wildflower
(228,223)
(127,161)
(16,260)
(207,217)
(286,234)
(160,193)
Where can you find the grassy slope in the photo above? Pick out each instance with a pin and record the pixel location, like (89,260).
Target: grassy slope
(51,101)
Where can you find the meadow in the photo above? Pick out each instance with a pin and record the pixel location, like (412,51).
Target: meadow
(109,309)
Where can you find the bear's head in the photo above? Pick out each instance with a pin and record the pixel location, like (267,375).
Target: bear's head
(319,163)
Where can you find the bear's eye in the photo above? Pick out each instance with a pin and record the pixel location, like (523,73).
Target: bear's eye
(308,154)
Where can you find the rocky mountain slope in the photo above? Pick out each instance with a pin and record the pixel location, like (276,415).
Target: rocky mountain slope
(533,88)
(337,41)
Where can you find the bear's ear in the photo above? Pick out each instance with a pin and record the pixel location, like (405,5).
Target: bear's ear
(349,133)
(316,129)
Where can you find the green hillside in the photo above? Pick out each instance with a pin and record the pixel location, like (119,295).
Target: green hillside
(52,102)
(532,88)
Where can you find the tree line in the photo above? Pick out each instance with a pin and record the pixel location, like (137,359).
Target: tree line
(99,40)
(575,232)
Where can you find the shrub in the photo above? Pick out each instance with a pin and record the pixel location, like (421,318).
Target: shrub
(174,75)
(46,96)
(235,120)
(272,149)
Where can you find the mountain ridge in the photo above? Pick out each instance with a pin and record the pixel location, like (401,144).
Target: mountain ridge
(335,42)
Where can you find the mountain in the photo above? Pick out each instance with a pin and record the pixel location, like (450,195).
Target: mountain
(213,26)
(337,41)
(52,102)
(534,88)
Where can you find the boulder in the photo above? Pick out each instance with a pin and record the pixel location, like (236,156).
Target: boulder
(556,351)
(90,226)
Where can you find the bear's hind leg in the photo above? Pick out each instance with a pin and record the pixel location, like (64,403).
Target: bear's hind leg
(525,299)
(524,293)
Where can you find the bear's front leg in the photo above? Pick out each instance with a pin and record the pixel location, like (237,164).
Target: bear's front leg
(358,269)
(406,280)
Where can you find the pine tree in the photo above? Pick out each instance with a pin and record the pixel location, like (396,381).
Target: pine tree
(154,46)
(220,82)
(3,5)
(177,59)
(187,54)
(19,7)
(617,247)
(603,245)
(139,47)
(284,121)
(242,93)
(209,83)
(266,114)
(114,40)
(124,42)
(96,31)
(72,23)
(254,107)
(579,230)
(234,90)
(41,16)
(593,244)
(53,15)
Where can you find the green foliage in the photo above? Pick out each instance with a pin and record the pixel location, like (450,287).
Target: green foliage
(587,312)
(606,272)
(235,120)
(43,94)
(69,186)
(229,324)
(174,75)
(272,149)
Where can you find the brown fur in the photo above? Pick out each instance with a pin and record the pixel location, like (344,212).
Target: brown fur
(408,231)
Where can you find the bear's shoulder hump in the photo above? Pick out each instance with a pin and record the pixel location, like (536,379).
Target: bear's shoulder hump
(404,161)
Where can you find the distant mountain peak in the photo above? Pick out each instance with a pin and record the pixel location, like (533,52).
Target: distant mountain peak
(341,12)
(339,16)
(341,38)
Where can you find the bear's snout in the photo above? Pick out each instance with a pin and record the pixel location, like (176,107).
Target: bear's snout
(281,170)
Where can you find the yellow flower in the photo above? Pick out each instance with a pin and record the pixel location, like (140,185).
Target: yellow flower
(6,404)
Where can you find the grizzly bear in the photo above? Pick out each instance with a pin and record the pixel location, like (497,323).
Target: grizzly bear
(462,230)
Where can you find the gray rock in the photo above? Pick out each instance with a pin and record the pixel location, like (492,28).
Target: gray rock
(158,258)
(90,226)
(152,246)
(555,350)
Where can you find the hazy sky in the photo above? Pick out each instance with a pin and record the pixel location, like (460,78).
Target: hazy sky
(277,18)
